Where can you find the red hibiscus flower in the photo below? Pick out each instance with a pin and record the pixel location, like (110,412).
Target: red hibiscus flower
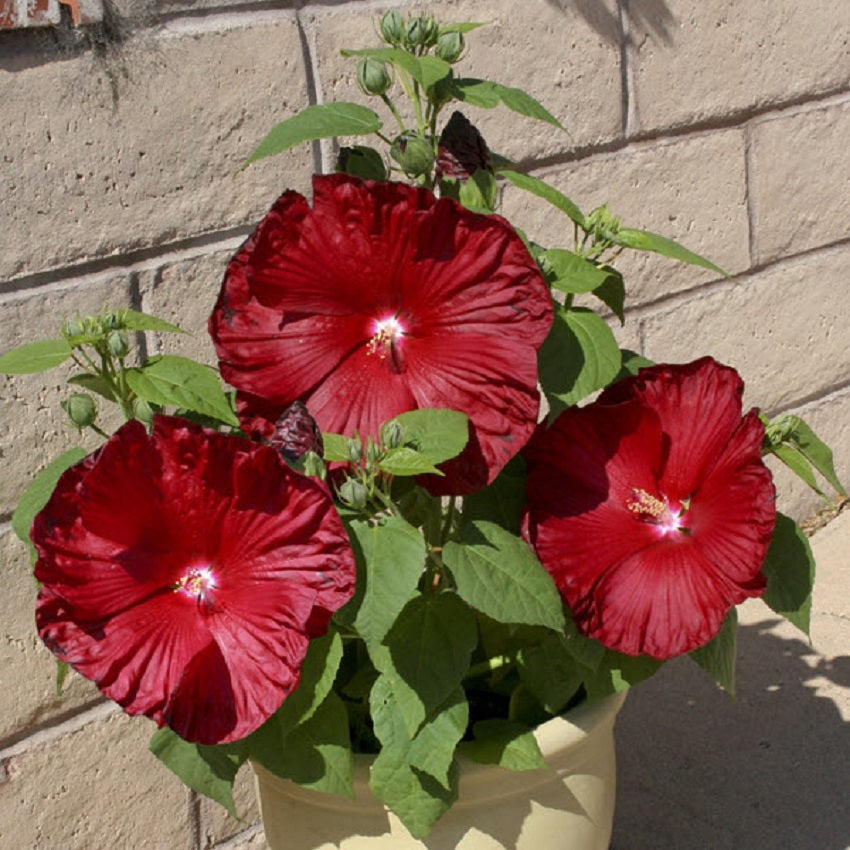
(382,299)
(185,572)
(652,509)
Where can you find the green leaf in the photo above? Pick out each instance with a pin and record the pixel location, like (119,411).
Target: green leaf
(550,671)
(503,500)
(171,380)
(426,70)
(506,743)
(38,492)
(578,357)
(617,672)
(632,364)
(790,572)
(815,451)
(135,321)
(35,357)
(480,192)
(798,464)
(406,461)
(499,575)
(336,447)
(317,753)
(543,190)
(431,643)
(438,434)
(320,121)
(488,95)
(612,293)
(572,273)
(361,161)
(643,240)
(717,657)
(209,770)
(93,383)
(461,27)
(390,561)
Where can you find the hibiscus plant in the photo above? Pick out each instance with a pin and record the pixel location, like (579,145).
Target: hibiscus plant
(405,529)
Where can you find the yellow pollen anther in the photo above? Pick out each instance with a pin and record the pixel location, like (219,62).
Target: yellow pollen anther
(387,332)
(646,504)
(196,582)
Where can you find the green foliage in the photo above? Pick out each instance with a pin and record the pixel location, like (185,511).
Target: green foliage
(543,190)
(35,357)
(135,321)
(717,657)
(642,240)
(488,95)
(506,743)
(503,500)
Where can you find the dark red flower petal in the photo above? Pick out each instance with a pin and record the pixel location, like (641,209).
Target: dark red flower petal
(185,573)
(652,508)
(376,299)
(462,150)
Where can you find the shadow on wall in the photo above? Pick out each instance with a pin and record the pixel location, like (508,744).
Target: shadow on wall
(769,769)
(652,16)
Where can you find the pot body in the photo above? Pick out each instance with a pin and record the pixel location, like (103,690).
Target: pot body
(569,807)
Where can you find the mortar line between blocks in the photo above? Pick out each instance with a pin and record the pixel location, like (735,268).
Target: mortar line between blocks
(48,735)
(629,118)
(752,236)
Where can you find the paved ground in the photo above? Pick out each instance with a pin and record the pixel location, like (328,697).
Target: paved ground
(767,771)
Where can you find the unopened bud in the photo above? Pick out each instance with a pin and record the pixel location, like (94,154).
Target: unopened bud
(72,329)
(392,27)
(372,76)
(117,343)
(373,452)
(392,434)
(355,450)
(422,31)
(449,46)
(414,154)
(354,493)
(81,409)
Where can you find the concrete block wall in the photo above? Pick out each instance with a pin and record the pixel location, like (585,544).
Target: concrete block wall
(721,124)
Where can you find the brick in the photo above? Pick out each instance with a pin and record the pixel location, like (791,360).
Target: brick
(568,60)
(28,696)
(217,825)
(784,329)
(829,417)
(690,189)
(184,293)
(96,787)
(704,61)
(141,146)
(800,180)
(33,428)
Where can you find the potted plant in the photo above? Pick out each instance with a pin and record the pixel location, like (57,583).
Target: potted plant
(439,523)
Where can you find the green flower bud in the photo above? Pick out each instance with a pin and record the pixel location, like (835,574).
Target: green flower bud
(422,31)
(392,435)
(110,321)
(354,493)
(372,76)
(355,450)
(414,154)
(117,343)
(449,46)
(373,452)
(81,409)
(142,411)
(392,27)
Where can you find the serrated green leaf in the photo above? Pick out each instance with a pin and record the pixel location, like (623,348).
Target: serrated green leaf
(136,321)
(504,742)
(503,500)
(578,357)
(319,121)
(426,70)
(488,95)
(35,357)
(571,273)
(209,770)
(93,383)
(643,240)
(815,451)
(717,657)
(315,754)
(336,447)
(498,574)
(437,434)
(431,643)
(790,572)
(550,671)
(406,461)
(390,561)
(543,190)
(171,380)
(38,492)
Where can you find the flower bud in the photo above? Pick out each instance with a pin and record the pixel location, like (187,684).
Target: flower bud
(354,493)
(372,76)
(392,27)
(355,450)
(414,154)
(422,31)
(373,452)
(117,343)
(296,433)
(81,409)
(449,46)
(72,329)
(142,411)
(392,434)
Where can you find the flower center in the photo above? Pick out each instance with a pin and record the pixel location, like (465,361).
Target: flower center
(658,512)
(386,341)
(198,583)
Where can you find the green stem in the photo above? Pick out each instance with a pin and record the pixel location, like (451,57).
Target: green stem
(391,107)
(489,666)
